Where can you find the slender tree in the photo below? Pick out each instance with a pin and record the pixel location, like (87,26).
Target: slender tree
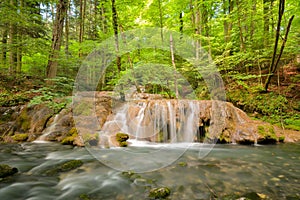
(275,62)
(57,34)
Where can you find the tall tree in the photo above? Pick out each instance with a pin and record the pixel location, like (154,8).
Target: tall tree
(13,40)
(275,62)
(57,33)
(116,35)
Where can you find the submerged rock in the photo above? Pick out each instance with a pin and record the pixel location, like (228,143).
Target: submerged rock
(159,193)
(64,167)
(6,170)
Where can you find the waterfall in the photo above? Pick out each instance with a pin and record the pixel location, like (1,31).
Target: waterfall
(50,129)
(168,121)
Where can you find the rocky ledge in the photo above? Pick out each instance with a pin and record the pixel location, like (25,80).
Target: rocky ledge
(33,123)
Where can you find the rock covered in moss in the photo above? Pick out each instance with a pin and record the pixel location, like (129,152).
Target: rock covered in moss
(159,193)
(20,137)
(122,138)
(6,170)
(64,167)
(267,135)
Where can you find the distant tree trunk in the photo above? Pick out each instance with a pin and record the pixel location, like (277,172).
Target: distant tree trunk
(4,48)
(225,22)
(252,22)
(266,13)
(96,20)
(181,24)
(174,66)
(198,31)
(67,29)
(118,57)
(81,24)
(274,64)
(230,10)
(103,19)
(12,43)
(241,35)
(161,20)
(57,34)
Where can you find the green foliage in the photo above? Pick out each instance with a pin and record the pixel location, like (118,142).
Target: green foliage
(53,93)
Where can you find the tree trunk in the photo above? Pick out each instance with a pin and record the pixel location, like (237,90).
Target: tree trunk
(160,20)
(181,24)
(4,48)
(274,64)
(12,43)
(174,66)
(103,19)
(57,34)
(198,31)
(67,29)
(81,25)
(266,4)
(118,57)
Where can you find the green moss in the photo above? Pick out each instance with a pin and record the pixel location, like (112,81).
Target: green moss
(72,132)
(64,167)
(84,108)
(71,136)
(23,120)
(159,193)
(261,130)
(123,144)
(20,137)
(6,170)
(268,134)
(281,138)
(121,137)
(70,165)
(68,140)
(84,197)
(182,164)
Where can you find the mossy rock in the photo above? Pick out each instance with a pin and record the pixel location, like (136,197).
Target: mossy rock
(72,132)
(23,121)
(71,136)
(6,170)
(64,167)
(20,137)
(268,135)
(159,193)
(123,144)
(182,164)
(131,175)
(68,140)
(84,197)
(122,137)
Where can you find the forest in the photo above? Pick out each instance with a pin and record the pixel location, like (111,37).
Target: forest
(253,43)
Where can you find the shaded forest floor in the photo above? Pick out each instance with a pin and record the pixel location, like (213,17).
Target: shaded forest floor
(280,105)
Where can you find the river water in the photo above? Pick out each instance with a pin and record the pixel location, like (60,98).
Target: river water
(226,172)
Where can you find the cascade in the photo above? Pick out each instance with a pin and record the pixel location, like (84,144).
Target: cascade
(168,121)
(47,131)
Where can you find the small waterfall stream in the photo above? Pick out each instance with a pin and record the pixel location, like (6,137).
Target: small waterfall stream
(47,131)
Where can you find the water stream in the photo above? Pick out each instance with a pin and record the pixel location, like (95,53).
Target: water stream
(227,172)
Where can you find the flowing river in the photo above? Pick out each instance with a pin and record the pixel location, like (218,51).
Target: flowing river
(226,172)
